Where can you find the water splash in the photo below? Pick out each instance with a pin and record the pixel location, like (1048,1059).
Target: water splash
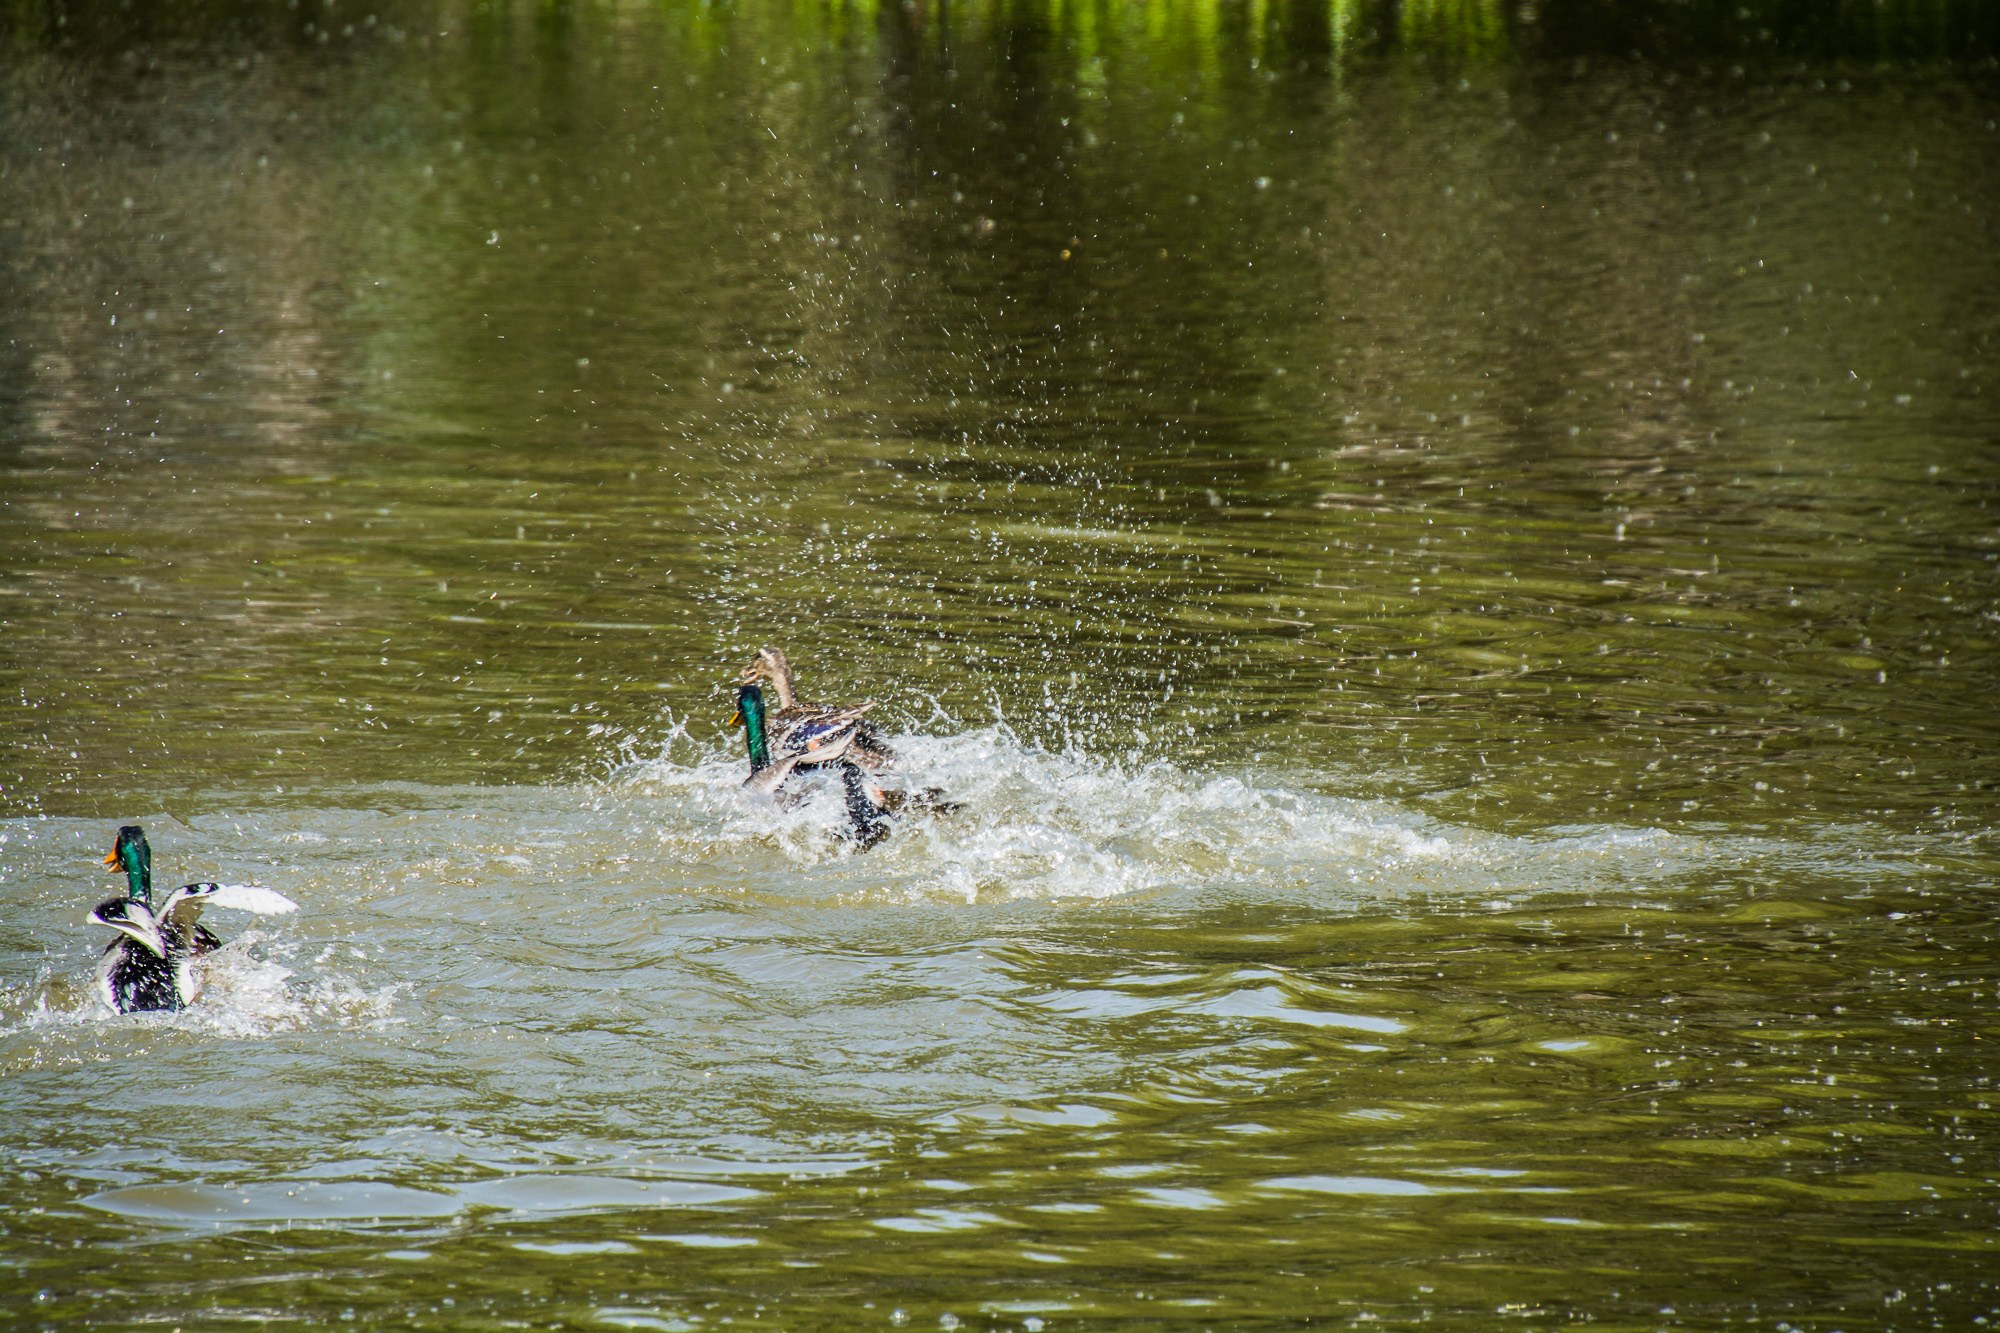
(1036,823)
(246,992)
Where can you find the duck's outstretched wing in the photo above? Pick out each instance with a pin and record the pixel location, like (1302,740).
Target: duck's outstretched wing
(186,902)
(251,898)
(869,749)
(819,739)
(816,740)
(180,914)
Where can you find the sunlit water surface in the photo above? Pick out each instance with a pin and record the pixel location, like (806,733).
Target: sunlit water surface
(1448,557)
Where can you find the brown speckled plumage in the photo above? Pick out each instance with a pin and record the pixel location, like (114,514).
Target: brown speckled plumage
(868,749)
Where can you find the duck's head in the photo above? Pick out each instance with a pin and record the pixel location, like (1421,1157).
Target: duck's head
(133,918)
(769,664)
(133,855)
(750,717)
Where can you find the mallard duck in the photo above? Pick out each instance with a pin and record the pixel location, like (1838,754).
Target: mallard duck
(869,750)
(134,855)
(776,749)
(827,739)
(152,966)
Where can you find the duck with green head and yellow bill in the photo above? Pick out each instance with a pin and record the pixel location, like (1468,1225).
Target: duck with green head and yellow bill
(152,965)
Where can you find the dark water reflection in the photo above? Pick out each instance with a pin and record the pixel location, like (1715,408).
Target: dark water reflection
(1454,545)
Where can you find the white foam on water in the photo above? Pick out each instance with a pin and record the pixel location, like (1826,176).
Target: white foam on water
(515,879)
(1040,824)
(245,992)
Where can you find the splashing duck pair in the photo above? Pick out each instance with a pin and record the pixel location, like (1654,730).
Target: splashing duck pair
(799,735)
(152,966)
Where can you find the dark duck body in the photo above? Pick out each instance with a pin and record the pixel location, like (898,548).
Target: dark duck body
(140,972)
(151,966)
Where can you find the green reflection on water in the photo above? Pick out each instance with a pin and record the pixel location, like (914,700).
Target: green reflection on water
(508,411)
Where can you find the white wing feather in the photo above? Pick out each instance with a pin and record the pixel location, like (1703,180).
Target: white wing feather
(251,898)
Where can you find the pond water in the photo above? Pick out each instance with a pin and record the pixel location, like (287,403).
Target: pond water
(1448,553)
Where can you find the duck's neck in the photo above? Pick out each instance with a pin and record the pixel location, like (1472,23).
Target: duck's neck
(138,858)
(750,700)
(869,827)
(781,678)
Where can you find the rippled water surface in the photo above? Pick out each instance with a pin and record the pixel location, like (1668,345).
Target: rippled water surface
(1447,554)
